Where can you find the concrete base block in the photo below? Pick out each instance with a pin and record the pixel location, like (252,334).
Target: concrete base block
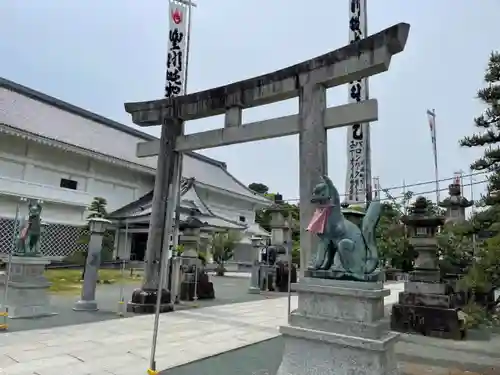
(139,308)
(28,288)
(338,328)
(143,301)
(85,306)
(254,290)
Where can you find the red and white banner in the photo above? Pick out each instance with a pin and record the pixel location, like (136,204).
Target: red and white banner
(177,49)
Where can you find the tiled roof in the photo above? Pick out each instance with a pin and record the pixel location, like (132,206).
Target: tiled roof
(37,113)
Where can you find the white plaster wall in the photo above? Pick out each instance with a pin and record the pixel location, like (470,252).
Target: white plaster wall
(228,207)
(51,213)
(45,165)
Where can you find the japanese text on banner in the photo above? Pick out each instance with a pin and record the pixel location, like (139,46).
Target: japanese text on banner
(177,43)
(356,142)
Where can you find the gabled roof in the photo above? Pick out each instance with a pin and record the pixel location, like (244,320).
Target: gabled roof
(27,110)
(191,204)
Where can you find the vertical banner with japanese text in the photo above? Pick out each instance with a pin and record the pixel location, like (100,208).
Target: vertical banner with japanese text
(177,49)
(431,118)
(358,178)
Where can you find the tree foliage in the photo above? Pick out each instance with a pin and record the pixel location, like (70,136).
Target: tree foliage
(392,243)
(96,209)
(223,245)
(456,247)
(488,129)
(258,187)
(485,268)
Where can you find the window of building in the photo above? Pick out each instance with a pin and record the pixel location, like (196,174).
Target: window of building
(243,219)
(68,184)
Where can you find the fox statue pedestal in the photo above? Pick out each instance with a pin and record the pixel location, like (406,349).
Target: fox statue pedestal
(338,328)
(28,288)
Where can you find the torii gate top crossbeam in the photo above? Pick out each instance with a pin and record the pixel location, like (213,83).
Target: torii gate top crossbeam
(364,58)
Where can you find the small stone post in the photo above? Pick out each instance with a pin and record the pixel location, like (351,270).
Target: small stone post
(87,302)
(254,279)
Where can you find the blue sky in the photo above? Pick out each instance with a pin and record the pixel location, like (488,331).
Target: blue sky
(100,54)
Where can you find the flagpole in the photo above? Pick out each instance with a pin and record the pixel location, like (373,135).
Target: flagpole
(178,169)
(174,193)
(436,168)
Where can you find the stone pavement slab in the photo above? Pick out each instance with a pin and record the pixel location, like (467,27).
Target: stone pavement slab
(122,347)
(228,290)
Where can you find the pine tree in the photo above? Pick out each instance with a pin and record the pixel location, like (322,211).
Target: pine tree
(488,125)
(97,208)
(486,267)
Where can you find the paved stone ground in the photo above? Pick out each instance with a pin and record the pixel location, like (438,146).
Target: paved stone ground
(232,288)
(264,358)
(122,346)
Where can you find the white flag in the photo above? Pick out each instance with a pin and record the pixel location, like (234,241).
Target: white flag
(177,49)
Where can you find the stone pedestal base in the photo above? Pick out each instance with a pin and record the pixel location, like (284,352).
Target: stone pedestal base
(430,309)
(144,301)
(205,288)
(428,321)
(338,328)
(254,290)
(85,306)
(28,288)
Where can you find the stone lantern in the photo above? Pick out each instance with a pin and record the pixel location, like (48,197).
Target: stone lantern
(190,238)
(422,229)
(275,272)
(456,203)
(280,229)
(426,306)
(87,302)
(254,279)
(194,283)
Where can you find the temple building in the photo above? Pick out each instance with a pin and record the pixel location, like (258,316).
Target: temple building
(65,156)
(455,204)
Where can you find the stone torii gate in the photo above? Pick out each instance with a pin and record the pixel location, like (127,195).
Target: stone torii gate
(308,80)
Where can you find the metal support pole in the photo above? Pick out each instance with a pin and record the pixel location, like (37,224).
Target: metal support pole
(163,270)
(175,195)
(5,314)
(289,302)
(121,302)
(474,240)
(195,297)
